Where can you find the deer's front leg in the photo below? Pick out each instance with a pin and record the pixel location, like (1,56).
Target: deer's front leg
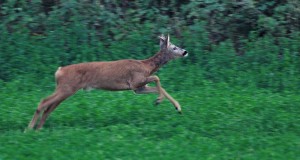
(146,90)
(163,93)
(159,89)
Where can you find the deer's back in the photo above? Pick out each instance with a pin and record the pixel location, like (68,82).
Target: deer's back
(113,75)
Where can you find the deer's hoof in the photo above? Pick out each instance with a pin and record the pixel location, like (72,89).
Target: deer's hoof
(157,101)
(26,130)
(179,110)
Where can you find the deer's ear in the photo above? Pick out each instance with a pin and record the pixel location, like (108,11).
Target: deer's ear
(162,41)
(162,37)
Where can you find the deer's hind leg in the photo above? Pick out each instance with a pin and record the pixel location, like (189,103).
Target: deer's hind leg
(57,100)
(44,104)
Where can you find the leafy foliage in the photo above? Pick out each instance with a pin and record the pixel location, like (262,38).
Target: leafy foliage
(36,38)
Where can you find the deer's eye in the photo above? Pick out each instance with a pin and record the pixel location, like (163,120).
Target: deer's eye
(174,48)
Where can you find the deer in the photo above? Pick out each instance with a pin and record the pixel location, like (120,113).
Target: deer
(126,74)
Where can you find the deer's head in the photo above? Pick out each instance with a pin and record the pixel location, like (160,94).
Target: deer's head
(168,48)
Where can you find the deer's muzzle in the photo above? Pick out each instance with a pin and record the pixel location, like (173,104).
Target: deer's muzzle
(185,54)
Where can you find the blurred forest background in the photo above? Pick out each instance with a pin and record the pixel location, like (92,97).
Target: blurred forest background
(244,42)
(239,87)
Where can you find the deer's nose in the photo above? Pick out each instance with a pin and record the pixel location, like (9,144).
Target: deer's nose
(185,53)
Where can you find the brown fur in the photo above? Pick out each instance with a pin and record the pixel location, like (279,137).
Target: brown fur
(118,75)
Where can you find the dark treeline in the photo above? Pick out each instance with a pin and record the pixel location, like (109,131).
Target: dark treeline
(245,42)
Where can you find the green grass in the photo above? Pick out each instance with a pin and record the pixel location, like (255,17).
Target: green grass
(218,122)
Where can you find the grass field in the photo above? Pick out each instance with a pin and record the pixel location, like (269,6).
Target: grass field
(218,122)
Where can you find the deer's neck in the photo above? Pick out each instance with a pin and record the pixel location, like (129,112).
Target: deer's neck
(157,61)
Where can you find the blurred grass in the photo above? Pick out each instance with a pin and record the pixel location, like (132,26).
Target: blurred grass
(218,122)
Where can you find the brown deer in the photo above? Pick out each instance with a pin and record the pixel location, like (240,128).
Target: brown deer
(118,75)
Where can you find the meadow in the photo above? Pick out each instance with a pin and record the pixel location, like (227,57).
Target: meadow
(218,122)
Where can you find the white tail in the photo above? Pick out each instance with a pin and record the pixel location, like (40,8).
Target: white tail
(115,76)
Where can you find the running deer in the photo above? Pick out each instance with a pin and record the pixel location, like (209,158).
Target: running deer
(118,75)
